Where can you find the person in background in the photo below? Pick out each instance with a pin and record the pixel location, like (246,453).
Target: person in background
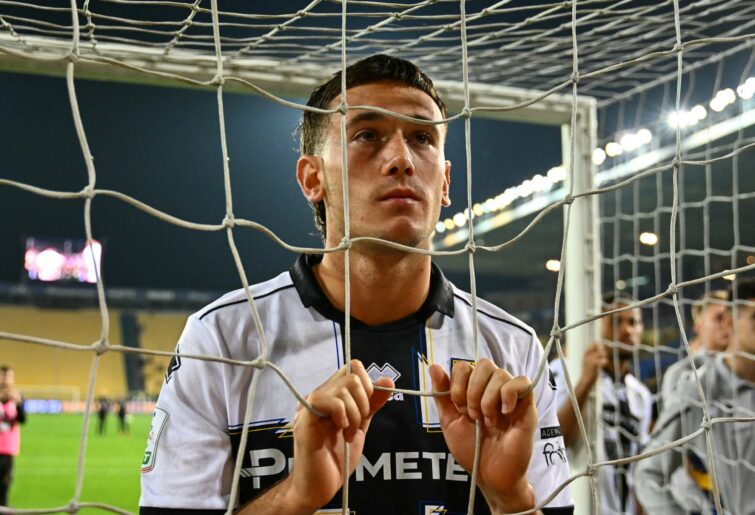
(728,381)
(626,402)
(12,415)
(122,416)
(103,408)
(711,336)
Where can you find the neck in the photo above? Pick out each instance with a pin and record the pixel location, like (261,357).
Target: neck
(386,284)
(742,367)
(623,367)
(695,346)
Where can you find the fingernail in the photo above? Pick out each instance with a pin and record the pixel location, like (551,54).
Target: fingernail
(505,408)
(488,421)
(474,414)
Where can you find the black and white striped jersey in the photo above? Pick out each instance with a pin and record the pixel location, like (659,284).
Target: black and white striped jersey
(406,467)
(626,414)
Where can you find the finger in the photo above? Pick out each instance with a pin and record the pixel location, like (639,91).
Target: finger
(353,414)
(516,394)
(478,381)
(442,383)
(459,381)
(357,368)
(332,406)
(490,403)
(378,399)
(355,386)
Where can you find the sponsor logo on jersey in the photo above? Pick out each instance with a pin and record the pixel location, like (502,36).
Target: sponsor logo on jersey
(550,432)
(435,509)
(387,370)
(159,417)
(553,454)
(386,467)
(175,364)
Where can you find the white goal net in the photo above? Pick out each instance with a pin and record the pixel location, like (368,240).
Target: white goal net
(656,188)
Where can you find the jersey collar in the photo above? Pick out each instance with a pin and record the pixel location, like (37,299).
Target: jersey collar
(440,298)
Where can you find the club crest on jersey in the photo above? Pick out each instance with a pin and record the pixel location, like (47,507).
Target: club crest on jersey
(387,370)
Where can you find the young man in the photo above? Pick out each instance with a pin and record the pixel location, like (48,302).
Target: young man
(626,402)
(409,326)
(728,381)
(711,336)
(12,414)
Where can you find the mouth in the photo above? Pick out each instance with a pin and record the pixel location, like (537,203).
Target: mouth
(406,196)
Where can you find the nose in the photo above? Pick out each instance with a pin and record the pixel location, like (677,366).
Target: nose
(398,157)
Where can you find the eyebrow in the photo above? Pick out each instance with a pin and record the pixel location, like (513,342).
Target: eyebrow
(373,116)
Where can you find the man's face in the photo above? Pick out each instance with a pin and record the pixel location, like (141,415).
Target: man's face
(744,328)
(7,379)
(624,327)
(398,175)
(711,329)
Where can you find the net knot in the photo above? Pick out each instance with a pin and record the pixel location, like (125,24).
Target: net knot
(568,199)
(301,14)
(229,222)
(217,80)
(575,77)
(556,332)
(466,112)
(590,470)
(88,191)
(470,247)
(342,109)
(100,347)
(260,363)
(705,424)
(73,507)
(673,289)
(72,56)
(345,244)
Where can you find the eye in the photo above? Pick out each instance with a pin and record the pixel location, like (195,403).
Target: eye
(367,136)
(423,138)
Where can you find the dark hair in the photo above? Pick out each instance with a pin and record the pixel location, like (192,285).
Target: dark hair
(745,289)
(376,68)
(611,300)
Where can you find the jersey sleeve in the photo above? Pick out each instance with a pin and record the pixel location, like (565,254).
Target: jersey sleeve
(650,473)
(187,462)
(549,468)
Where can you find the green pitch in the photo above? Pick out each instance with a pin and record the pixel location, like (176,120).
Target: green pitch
(45,471)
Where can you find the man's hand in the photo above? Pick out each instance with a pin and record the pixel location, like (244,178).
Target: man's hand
(593,361)
(491,395)
(349,401)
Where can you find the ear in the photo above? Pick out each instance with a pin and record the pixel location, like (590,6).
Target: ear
(308,175)
(446,198)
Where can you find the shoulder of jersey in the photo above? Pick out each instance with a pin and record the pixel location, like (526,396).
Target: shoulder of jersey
(489,313)
(237,298)
(636,384)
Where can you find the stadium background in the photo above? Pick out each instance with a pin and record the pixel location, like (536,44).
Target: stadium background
(161,145)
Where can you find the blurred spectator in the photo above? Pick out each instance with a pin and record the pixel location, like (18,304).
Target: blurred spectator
(12,414)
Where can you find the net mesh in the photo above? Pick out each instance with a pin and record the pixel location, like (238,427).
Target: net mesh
(612,51)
